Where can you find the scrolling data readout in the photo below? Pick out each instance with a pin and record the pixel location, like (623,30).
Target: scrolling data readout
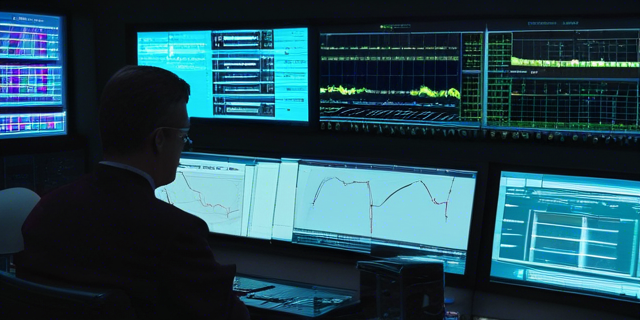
(236,74)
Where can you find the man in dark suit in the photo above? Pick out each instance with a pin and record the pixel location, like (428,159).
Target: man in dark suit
(109,230)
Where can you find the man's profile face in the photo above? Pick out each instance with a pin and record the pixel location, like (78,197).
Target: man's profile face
(174,144)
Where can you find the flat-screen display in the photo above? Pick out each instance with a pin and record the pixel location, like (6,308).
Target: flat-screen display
(233,195)
(568,233)
(248,74)
(563,75)
(401,74)
(32,76)
(377,209)
(385,210)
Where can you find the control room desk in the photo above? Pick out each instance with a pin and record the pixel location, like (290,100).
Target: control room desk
(278,299)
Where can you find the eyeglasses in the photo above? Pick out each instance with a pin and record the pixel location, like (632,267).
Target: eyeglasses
(184,134)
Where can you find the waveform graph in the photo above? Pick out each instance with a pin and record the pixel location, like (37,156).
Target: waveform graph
(401,69)
(430,209)
(213,193)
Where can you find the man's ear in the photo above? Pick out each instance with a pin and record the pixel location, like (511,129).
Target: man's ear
(159,140)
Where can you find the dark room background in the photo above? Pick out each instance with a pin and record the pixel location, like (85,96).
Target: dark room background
(97,47)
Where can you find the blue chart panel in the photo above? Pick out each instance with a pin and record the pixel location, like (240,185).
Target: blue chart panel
(233,195)
(236,74)
(211,191)
(568,233)
(368,207)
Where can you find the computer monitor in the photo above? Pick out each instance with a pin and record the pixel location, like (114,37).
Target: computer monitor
(32,75)
(564,74)
(255,75)
(568,233)
(384,210)
(401,74)
(233,195)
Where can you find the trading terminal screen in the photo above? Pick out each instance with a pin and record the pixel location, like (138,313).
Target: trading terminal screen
(568,233)
(381,210)
(385,210)
(565,75)
(32,76)
(233,195)
(236,74)
(401,74)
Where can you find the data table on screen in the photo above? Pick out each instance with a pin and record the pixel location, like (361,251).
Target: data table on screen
(243,74)
(568,233)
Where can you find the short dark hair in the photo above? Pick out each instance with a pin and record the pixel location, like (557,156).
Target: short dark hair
(135,101)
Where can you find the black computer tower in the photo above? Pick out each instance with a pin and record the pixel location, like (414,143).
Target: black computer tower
(402,288)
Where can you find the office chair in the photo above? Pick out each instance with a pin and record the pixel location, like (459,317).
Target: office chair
(15,206)
(22,299)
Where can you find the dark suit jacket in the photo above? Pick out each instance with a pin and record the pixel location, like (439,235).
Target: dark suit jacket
(109,230)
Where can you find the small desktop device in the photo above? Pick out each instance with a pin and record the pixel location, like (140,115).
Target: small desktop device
(402,288)
(236,75)
(32,75)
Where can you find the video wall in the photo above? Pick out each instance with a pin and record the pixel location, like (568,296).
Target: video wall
(562,75)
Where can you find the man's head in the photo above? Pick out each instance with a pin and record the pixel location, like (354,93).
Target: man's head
(142,109)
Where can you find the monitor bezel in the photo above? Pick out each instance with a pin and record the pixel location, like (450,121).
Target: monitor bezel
(310,125)
(531,291)
(67,81)
(280,247)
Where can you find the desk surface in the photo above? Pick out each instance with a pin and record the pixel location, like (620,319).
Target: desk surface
(294,299)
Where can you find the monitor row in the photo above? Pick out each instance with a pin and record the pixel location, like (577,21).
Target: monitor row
(553,74)
(548,74)
(566,232)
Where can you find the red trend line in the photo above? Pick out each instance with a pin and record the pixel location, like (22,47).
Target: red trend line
(201,198)
(372,205)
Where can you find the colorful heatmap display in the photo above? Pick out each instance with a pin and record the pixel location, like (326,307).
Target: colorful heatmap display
(32,83)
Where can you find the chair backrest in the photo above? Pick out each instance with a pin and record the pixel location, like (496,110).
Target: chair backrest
(22,299)
(15,206)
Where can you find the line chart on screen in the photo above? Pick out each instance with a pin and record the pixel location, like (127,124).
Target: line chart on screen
(214,194)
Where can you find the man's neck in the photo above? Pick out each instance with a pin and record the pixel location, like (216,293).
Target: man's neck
(138,162)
